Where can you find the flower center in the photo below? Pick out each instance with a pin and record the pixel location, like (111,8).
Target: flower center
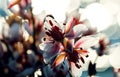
(55,32)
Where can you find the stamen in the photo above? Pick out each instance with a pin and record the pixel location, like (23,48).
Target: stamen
(87,55)
(82,59)
(77,65)
(46,28)
(81,48)
(50,22)
(44,39)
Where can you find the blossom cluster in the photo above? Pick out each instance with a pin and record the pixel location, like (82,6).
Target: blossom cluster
(54,48)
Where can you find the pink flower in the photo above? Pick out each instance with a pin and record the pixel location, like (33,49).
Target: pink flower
(22,3)
(24,7)
(66,36)
(13,3)
(58,31)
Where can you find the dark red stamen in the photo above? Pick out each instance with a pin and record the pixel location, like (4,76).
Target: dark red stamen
(55,33)
(50,22)
(82,59)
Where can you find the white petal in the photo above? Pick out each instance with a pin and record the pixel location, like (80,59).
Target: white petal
(3,8)
(72,10)
(4,28)
(49,50)
(115,5)
(118,18)
(114,57)
(98,16)
(87,42)
(102,63)
(75,71)
(47,25)
(54,7)
(55,23)
(77,31)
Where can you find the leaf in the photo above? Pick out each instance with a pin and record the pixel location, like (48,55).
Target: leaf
(60,58)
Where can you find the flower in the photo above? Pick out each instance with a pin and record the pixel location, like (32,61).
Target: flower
(58,31)
(73,51)
(13,3)
(66,36)
(24,7)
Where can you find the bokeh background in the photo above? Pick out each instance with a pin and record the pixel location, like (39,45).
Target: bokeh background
(102,14)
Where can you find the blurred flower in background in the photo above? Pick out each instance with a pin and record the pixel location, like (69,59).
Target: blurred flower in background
(59,38)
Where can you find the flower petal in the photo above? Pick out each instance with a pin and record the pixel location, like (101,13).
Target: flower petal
(51,21)
(73,9)
(50,50)
(13,3)
(87,42)
(60,58)
(71,22)
(75,71)
(114,55)
(77,31)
